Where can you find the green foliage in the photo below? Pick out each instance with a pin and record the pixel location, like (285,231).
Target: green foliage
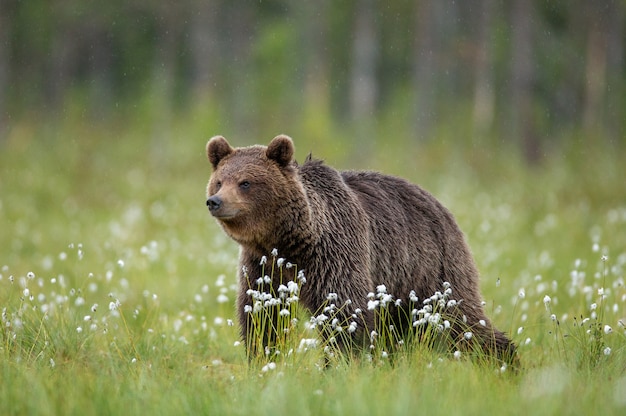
(113,215)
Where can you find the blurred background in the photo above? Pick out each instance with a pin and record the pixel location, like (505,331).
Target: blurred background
(530,75)
(511,112)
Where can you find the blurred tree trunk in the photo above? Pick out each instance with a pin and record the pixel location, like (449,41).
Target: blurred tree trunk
(522,80)
(62,62)
(427,48)
(363,82)
(204,48)
(5,42)
(483,106)
(595,68)
(316,113)
(238,27)
(100,63)
(615,70)
(314,16)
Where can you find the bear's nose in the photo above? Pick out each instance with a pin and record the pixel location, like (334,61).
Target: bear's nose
(214,203)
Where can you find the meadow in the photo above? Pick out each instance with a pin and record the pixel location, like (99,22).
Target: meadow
(117,288)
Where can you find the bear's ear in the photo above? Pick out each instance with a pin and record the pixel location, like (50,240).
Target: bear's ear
(280,150)
(217,149)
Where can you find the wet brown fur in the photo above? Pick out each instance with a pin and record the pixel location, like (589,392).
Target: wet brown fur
(349,230)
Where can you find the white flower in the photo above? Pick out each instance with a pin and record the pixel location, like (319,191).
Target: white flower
(222,298)
(482,322)
(372,304)
(263,260)
(607,329)
(284,312)
(457,354)
(522,293)
(546,300)
(332,297)
(381,289)
(247,308)
(607,351)
(468,335)
(280,262)
(274,252)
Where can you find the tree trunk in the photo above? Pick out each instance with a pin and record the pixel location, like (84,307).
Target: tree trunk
(522,81)
(615,70)
(5,42)
(204,48)
(483,106)
(595,69)
(363,82)
(427,45)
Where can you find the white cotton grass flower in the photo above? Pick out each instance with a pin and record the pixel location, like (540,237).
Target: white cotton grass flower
(607,351)
(457,354)
(546,300)
(522,293)
(274,252)
(607,329)
(268,367)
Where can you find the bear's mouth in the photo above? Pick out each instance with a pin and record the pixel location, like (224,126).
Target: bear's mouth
(224,215)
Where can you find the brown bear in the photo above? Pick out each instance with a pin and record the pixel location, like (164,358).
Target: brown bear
(355,234)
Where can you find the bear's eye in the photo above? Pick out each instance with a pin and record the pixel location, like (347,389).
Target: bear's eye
(218,185)
(244,185)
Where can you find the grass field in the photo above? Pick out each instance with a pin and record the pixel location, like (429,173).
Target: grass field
(117,288)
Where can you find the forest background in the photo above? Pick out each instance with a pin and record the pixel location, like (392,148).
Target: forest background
(535,73)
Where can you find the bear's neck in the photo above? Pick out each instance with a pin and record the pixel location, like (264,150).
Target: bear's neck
(296,237)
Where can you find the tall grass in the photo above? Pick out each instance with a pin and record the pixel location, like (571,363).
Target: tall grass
(117,289)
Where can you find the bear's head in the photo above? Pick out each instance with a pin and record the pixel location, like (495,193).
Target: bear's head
(250,187)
